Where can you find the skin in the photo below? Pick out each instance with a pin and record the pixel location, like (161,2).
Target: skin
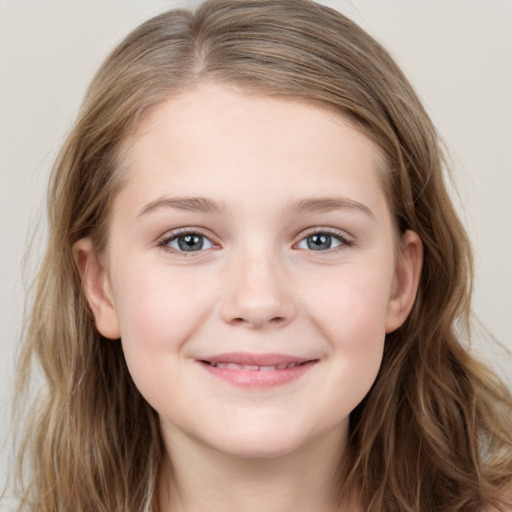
(256,286)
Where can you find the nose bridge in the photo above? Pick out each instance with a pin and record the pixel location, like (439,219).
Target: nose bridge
(258,292)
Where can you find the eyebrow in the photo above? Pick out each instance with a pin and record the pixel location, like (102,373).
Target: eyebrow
(190,204)
(327,204)
(306,205)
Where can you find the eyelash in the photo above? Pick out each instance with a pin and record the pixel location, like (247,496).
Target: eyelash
(344,241)
(175,235)
(164,243)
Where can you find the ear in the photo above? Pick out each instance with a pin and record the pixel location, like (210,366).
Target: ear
(408,265)
(96,285)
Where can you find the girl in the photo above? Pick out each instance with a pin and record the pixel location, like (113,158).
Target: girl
(252,284)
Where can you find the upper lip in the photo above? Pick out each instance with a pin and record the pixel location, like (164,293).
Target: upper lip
(246,358)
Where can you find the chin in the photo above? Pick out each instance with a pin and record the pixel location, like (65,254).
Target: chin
(262,443)
(263,447)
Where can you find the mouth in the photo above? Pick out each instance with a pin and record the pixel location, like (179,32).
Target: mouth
(257,371)
(253,367)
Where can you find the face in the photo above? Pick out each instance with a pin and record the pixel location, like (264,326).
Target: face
(251,270)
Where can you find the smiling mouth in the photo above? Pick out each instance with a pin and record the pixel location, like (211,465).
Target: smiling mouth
(255,367)
(257,371)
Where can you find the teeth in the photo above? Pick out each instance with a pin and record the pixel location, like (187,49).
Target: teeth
(255,367)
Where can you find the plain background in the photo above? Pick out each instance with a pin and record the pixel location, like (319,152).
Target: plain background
(458,54)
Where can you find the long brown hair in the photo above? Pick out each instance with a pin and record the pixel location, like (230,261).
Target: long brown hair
(433,433)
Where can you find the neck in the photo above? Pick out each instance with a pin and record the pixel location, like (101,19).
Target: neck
(205,480)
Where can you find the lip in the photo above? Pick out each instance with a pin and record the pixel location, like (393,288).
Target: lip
(256,371)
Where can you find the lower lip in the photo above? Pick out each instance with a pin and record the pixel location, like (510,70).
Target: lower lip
(259,379)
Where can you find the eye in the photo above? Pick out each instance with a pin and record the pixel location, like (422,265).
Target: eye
(322,241)
(187,242)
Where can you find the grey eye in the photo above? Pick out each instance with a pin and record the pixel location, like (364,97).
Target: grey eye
(190,242)
(319,242)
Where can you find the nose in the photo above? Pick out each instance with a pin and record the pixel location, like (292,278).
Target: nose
(259,293)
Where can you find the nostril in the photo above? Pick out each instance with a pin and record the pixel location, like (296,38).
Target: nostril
(247,310)
(277,320)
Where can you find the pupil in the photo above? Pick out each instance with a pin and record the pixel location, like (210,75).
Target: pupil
(190,242)
(319,242)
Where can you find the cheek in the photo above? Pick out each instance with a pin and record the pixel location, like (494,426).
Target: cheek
(158,313)
(350,305)
(157,307)
(352,320)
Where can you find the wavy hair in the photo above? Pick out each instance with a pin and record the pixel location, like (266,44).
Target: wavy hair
(433,433)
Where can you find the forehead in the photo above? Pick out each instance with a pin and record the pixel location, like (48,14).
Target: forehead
(212,138)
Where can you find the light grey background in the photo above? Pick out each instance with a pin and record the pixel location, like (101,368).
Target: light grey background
(458,54)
